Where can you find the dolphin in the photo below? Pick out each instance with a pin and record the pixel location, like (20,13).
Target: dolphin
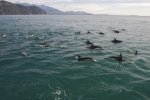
(118,58)
(79,58)
(88,42)
(116,41)
(101,33)
(92,46)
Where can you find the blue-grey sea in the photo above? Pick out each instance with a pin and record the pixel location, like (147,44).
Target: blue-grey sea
(37,57)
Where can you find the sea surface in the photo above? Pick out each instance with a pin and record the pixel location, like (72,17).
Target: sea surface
(37,58)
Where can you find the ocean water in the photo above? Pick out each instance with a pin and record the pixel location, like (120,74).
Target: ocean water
(29,71)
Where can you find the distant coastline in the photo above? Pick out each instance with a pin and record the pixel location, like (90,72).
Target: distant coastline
(8,8)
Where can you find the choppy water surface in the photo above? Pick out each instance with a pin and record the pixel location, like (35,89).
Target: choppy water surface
(53,73)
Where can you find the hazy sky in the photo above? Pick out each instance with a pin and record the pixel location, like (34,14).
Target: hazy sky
(115,7)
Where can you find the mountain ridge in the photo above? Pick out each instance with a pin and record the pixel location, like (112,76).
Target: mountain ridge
(8,8)
(54,11)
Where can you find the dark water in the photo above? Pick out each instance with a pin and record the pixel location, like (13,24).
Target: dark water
(52,73)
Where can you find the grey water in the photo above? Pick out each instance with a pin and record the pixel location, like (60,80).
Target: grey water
(30,71)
